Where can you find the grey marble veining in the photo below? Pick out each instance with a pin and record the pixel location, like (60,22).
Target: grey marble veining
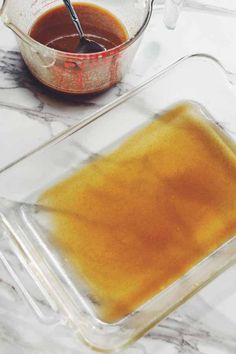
(30,115)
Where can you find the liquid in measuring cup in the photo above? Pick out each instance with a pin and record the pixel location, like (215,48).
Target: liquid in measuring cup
(55,28)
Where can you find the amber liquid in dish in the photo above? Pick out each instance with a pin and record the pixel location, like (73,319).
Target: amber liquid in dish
(141,217)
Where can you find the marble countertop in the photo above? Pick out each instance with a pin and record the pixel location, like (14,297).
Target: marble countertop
(30,116)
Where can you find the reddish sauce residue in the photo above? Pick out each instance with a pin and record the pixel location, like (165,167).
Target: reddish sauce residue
(56,30)
(142,216)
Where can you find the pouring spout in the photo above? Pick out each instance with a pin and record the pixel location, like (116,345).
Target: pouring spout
(5,16)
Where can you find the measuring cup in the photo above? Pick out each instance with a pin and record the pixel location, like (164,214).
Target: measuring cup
(76,73)
(89,73)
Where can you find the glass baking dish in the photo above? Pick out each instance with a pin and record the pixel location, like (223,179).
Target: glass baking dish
(198,78)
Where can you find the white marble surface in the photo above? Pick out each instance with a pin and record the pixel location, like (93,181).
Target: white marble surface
(30,116)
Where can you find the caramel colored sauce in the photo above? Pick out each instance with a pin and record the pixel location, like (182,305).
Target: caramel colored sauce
(56,30)
(144,215)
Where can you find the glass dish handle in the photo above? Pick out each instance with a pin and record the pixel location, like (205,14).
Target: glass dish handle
(45,318)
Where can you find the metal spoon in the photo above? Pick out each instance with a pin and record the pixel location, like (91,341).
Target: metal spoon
(86,45)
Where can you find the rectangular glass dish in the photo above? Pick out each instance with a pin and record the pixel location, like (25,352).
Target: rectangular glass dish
(198,79)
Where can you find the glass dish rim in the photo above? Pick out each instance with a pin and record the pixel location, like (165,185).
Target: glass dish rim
(116,102)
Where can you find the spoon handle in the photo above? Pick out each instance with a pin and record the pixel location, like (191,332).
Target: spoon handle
(74,17)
